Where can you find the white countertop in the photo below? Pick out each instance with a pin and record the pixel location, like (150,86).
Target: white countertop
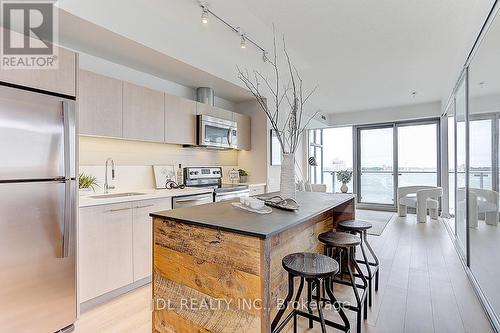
(87,200)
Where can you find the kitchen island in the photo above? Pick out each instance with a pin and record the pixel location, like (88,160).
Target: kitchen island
(217,268)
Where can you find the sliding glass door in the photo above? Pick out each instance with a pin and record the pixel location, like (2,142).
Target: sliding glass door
(411,148)
(376,168)
(461,162)
(417,154)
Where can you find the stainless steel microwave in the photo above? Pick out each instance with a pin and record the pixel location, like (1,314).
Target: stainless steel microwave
(216,132)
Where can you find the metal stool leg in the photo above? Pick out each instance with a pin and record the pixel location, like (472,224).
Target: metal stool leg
(320,310)
(309,300)
(365,285)
(367,264)
(341,312)
(285,304)
(351,261)
(377,263)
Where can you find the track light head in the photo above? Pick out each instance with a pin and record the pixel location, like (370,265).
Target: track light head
(243,43)
(204,15)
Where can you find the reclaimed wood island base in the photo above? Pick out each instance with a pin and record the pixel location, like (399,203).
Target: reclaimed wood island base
(218,269)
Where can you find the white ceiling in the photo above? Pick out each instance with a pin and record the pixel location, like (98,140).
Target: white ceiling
(363,54)
(372,54)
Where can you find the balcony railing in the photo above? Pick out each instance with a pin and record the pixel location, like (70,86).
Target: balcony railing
(478,179)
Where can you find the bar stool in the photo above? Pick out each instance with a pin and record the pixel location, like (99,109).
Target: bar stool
(314,268)
(342,245)
(372,268)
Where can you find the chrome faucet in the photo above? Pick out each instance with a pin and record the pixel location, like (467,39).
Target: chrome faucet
(106,185)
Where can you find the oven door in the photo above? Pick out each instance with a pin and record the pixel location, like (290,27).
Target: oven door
(231,195)
(217,133)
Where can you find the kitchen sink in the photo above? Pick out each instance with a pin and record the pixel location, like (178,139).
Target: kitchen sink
(116,195)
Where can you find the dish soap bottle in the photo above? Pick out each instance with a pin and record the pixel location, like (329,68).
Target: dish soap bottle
(180,175)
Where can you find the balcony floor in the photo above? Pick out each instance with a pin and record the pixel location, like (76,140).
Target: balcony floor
(423,288)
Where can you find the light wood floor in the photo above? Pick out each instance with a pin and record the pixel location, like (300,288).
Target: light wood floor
(423,288)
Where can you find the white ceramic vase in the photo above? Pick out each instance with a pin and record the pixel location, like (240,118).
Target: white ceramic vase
(344,188)
(287,180)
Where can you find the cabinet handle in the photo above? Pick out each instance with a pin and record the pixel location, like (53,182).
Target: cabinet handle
(119,209)
(144,206)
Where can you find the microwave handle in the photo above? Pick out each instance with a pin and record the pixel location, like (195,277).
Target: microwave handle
(230,136)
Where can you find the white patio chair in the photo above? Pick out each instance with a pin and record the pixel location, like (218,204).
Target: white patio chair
(481,201)
(421,198)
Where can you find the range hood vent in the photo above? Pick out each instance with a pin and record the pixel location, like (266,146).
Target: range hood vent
(205,95)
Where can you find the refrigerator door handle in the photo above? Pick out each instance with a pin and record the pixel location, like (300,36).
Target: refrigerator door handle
(69,139)
(67,218)
(69,174)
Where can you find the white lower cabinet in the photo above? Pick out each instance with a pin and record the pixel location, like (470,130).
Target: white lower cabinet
(257,189)
(115,245)
(105,249)
(143,235)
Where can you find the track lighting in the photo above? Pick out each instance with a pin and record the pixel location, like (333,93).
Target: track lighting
(244,38)
(204,15)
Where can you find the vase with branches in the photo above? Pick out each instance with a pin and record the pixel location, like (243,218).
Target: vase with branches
(285,108)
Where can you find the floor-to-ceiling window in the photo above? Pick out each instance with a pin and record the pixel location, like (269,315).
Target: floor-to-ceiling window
(376,165)
(476,166)
(461,162)
(418,154)
(337,156)
(411,148)
(316,151)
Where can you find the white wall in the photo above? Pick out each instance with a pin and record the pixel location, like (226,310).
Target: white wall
(256,160)
(399,113)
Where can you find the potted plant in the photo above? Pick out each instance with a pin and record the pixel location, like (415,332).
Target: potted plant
(344,176)
(282,95)
(243,175)
(87,183)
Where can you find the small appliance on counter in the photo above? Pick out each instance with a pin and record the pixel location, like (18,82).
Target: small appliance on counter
(211,177)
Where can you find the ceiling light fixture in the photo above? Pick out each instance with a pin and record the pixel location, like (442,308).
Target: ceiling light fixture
(264,56)
(204,15)
(244,37)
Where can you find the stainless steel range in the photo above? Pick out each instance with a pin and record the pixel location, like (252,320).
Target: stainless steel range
(211,177)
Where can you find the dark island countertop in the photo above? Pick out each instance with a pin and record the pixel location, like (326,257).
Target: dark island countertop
(223,216)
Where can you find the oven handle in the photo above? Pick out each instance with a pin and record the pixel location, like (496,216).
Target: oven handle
(191,199)
(226,194)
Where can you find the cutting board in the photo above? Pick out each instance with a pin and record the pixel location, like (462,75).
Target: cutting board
(163,173)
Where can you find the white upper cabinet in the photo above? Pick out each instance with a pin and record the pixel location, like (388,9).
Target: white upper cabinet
(180,120)
(61,80)
(143,113)
(99,104)
(205,109)
(244,131)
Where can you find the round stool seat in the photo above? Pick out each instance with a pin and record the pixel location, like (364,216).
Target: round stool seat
(339,239)
(355,225)
(310,265)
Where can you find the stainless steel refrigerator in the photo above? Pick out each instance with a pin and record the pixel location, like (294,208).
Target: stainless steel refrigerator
(38,189)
